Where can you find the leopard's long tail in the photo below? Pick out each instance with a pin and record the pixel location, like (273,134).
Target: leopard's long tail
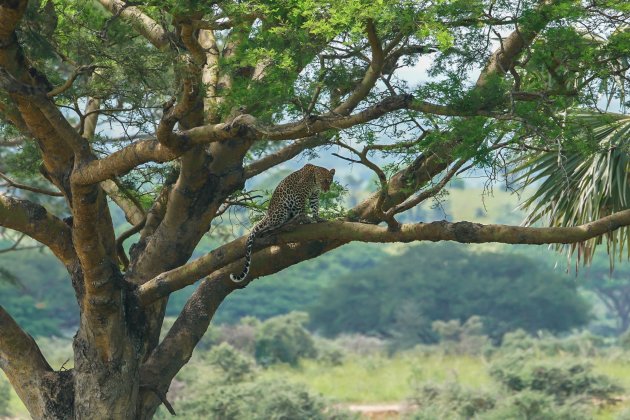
(261,226)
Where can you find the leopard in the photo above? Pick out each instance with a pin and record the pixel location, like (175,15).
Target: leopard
(288,203)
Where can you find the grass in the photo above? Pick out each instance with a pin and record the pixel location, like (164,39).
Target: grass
(378,379)
(620,371)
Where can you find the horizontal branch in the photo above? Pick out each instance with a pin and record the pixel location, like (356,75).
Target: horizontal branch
(124,160)
(464,232)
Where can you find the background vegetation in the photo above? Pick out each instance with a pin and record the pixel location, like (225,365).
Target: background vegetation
(418,325)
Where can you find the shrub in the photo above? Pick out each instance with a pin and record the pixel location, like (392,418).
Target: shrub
(624,340)
(519,372)
(536,405)
(329,352)
(585,344)
(258,400)
(457,338)
(283,339)
(241,336)
(450,401)
(233,365)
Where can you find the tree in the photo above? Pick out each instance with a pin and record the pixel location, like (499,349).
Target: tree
(612,288)
(200,97)
(508,291)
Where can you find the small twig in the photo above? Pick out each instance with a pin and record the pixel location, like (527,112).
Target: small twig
(345,158)
(14,184)
(406,205)
(239,202)
(63,366)
(68,83)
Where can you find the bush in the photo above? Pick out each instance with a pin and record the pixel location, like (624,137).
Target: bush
(329,352)
(258,400)
(518,372)
(450,401)
(241,336)
(536,405)
(624,340)
(233,365)
(457,338)
(283,339)
(585,344)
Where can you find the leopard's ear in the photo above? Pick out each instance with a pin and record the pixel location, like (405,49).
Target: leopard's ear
(332,171)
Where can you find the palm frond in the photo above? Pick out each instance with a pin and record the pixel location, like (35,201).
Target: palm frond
(573,188)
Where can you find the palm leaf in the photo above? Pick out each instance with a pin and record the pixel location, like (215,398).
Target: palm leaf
(573,188)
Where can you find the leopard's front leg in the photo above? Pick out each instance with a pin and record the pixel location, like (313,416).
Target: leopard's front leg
(314,205)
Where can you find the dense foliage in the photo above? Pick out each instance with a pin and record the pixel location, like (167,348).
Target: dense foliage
(443,282)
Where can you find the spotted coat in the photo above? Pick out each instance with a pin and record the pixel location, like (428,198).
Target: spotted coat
(288,202)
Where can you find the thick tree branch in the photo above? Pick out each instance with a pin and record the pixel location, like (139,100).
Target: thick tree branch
(142,23)
(513,45)
(10,14)
(244,126)
(33,220)
(344,232)
(177,347)
(23,363)
(371,75)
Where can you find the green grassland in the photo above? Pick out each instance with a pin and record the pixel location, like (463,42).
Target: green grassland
(379,378)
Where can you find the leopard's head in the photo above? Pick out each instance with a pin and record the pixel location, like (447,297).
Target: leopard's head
(324,178)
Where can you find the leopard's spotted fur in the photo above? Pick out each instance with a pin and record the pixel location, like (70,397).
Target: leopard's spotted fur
(288,202)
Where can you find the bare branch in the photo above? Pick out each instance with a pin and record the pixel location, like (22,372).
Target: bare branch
(284,154)
(68,83)
(14,184)
(406,205)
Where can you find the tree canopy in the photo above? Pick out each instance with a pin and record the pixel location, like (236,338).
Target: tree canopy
(166,109)
(395,298)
